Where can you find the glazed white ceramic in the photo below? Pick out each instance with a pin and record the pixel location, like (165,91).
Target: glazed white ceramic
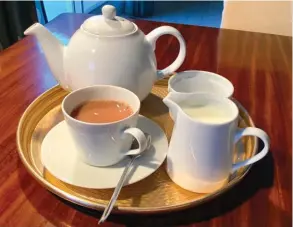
(60,157)
(104,144)
(199,82)
(200,154)
(107,50)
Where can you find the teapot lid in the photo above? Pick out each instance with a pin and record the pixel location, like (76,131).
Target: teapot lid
(108,24)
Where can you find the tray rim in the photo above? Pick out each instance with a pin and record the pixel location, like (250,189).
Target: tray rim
(95,206)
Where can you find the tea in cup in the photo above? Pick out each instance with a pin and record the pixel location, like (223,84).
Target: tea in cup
(102,111)
(102,121)
(201,148)
(200,82)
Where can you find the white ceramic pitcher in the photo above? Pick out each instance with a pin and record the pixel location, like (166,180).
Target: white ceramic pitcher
(200,153)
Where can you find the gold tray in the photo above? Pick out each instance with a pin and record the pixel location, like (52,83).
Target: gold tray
(156,193)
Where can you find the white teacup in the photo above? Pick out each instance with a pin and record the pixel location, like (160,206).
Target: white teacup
(194,81)
(104,144)
(201,148)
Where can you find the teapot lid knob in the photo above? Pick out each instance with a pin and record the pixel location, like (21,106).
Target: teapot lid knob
(108,24)
(109,12)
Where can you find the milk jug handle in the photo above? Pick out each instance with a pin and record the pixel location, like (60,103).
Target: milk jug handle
(168,30)
(250,131)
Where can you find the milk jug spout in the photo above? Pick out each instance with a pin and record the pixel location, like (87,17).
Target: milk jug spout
(172,101)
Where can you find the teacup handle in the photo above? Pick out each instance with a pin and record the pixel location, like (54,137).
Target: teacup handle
(168,30)
(143,141)
(250,131)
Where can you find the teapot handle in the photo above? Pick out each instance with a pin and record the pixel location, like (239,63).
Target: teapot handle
(168,30)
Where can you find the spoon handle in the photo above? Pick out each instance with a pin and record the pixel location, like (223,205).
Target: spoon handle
(116,192)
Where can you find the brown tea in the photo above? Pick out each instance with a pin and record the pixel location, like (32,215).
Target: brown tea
(101,111)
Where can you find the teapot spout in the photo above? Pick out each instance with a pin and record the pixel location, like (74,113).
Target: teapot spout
(53,50)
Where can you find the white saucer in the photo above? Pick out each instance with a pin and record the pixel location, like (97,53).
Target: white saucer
(60,158)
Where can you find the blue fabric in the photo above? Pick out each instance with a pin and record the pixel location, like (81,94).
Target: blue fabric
(138,8)
(41,12)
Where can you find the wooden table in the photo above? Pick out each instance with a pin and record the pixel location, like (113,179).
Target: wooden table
(259,66)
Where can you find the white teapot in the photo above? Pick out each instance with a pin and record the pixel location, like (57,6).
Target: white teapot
(109,50)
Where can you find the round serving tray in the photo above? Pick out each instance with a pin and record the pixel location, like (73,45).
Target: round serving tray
(156,193)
